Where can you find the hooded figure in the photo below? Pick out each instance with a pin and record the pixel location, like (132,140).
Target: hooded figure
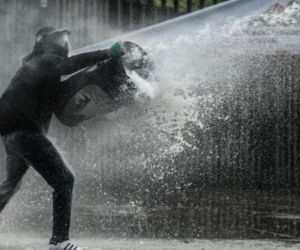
(26,108)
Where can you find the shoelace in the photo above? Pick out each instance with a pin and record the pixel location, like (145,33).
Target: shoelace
(71,246)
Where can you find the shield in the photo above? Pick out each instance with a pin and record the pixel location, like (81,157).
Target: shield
(102,88)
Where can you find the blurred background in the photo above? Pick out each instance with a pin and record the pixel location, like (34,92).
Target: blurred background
(91,21)
(214,155)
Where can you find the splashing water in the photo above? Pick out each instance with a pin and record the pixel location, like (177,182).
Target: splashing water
(195,71)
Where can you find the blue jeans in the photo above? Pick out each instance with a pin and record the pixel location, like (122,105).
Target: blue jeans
(26,148)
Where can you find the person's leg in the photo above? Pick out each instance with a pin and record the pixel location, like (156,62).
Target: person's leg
(36,149)
(16,167)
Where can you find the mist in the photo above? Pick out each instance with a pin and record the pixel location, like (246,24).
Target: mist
(193,131)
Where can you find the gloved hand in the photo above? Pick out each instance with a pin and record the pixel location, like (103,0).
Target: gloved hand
(116,50)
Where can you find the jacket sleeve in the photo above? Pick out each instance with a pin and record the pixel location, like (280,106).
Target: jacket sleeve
(72,64)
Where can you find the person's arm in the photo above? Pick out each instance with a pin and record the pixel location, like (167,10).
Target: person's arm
(72,64)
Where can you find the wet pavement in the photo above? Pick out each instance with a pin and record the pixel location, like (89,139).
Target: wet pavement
(10,241)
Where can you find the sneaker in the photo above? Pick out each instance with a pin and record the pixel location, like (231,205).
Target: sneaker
(66,245)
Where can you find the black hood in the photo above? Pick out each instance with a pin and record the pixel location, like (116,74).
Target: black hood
(42,48)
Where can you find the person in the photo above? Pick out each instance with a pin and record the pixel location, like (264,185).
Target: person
(26,108)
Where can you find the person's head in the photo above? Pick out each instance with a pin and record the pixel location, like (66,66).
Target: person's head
(54,36)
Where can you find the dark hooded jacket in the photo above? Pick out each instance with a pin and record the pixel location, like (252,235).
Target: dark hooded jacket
(29,101)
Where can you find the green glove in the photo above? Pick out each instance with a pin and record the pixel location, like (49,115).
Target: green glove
(116,50)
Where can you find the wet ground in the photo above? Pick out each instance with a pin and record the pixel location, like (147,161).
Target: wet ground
(9,241)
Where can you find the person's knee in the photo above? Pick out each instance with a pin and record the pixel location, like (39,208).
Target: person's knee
(18,187)
(65,184)
(8,189)
(70,180)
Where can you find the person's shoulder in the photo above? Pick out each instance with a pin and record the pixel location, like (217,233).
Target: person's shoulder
(48,62)
(51,58)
